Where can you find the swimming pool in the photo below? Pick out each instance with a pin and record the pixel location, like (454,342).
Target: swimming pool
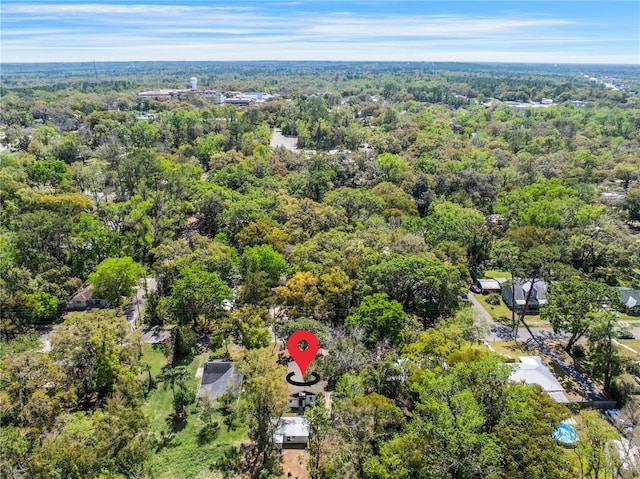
(565,434)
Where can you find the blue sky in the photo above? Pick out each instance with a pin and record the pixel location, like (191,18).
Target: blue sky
(502,31)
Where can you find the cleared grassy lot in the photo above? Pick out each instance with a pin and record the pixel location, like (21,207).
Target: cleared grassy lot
(181,454)
(494,273)
(634,319)
(631,343)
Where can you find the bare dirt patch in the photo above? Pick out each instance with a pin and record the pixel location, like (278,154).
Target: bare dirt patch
(294,461)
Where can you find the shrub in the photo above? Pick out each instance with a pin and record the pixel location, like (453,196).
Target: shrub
(493,299)
(625,333)
(578,352)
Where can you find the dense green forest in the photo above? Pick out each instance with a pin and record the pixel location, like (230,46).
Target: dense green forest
(409,182)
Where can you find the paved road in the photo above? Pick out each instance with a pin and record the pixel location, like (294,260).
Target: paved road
(476,304)
(500,332)
(156,335)
(541,335)
(139,301)
(278,139)
(635,331)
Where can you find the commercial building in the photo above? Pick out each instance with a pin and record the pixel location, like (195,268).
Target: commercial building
(234,98)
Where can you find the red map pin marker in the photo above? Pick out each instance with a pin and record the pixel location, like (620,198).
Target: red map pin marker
(303,357)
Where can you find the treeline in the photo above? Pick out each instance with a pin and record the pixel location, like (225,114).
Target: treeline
(85,182)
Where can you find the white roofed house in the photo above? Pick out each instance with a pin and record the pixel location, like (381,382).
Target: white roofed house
(291,432)
(489,285)
(532,370)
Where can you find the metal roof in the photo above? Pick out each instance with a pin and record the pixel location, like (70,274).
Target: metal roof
(532,370)
(488,283)
(297,426)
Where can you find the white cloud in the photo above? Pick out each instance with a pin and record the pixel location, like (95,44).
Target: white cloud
(432,26)
(37,9)
(233,50)
(110,32)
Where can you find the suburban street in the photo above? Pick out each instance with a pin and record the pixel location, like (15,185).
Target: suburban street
(500,332)
(139,301)
(503,333)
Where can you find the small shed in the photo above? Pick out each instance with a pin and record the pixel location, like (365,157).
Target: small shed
(219,376)
(291,432)
(84,299)
(488,285)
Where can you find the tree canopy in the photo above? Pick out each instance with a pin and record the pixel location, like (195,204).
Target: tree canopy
(386,191)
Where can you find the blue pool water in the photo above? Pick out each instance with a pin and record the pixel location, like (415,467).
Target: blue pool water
(565,433)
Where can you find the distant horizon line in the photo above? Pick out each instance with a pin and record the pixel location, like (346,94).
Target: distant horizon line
(475,62)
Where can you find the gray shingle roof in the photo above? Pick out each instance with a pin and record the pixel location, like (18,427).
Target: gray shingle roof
(217,377)
(630,297)
(538,296)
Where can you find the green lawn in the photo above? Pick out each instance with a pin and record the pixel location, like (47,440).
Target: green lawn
(183,456)
(633,344)
(512,350)
(494,273)
(154,357)
(501,310)
(632,318)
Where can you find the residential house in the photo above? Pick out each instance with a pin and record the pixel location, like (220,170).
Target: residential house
(291,432)
(532,370)
(630,299)
(84,299)
(488,285)
(219,376)
(301,399)
(515,295)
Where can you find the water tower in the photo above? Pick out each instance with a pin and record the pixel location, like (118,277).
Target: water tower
(194,83)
